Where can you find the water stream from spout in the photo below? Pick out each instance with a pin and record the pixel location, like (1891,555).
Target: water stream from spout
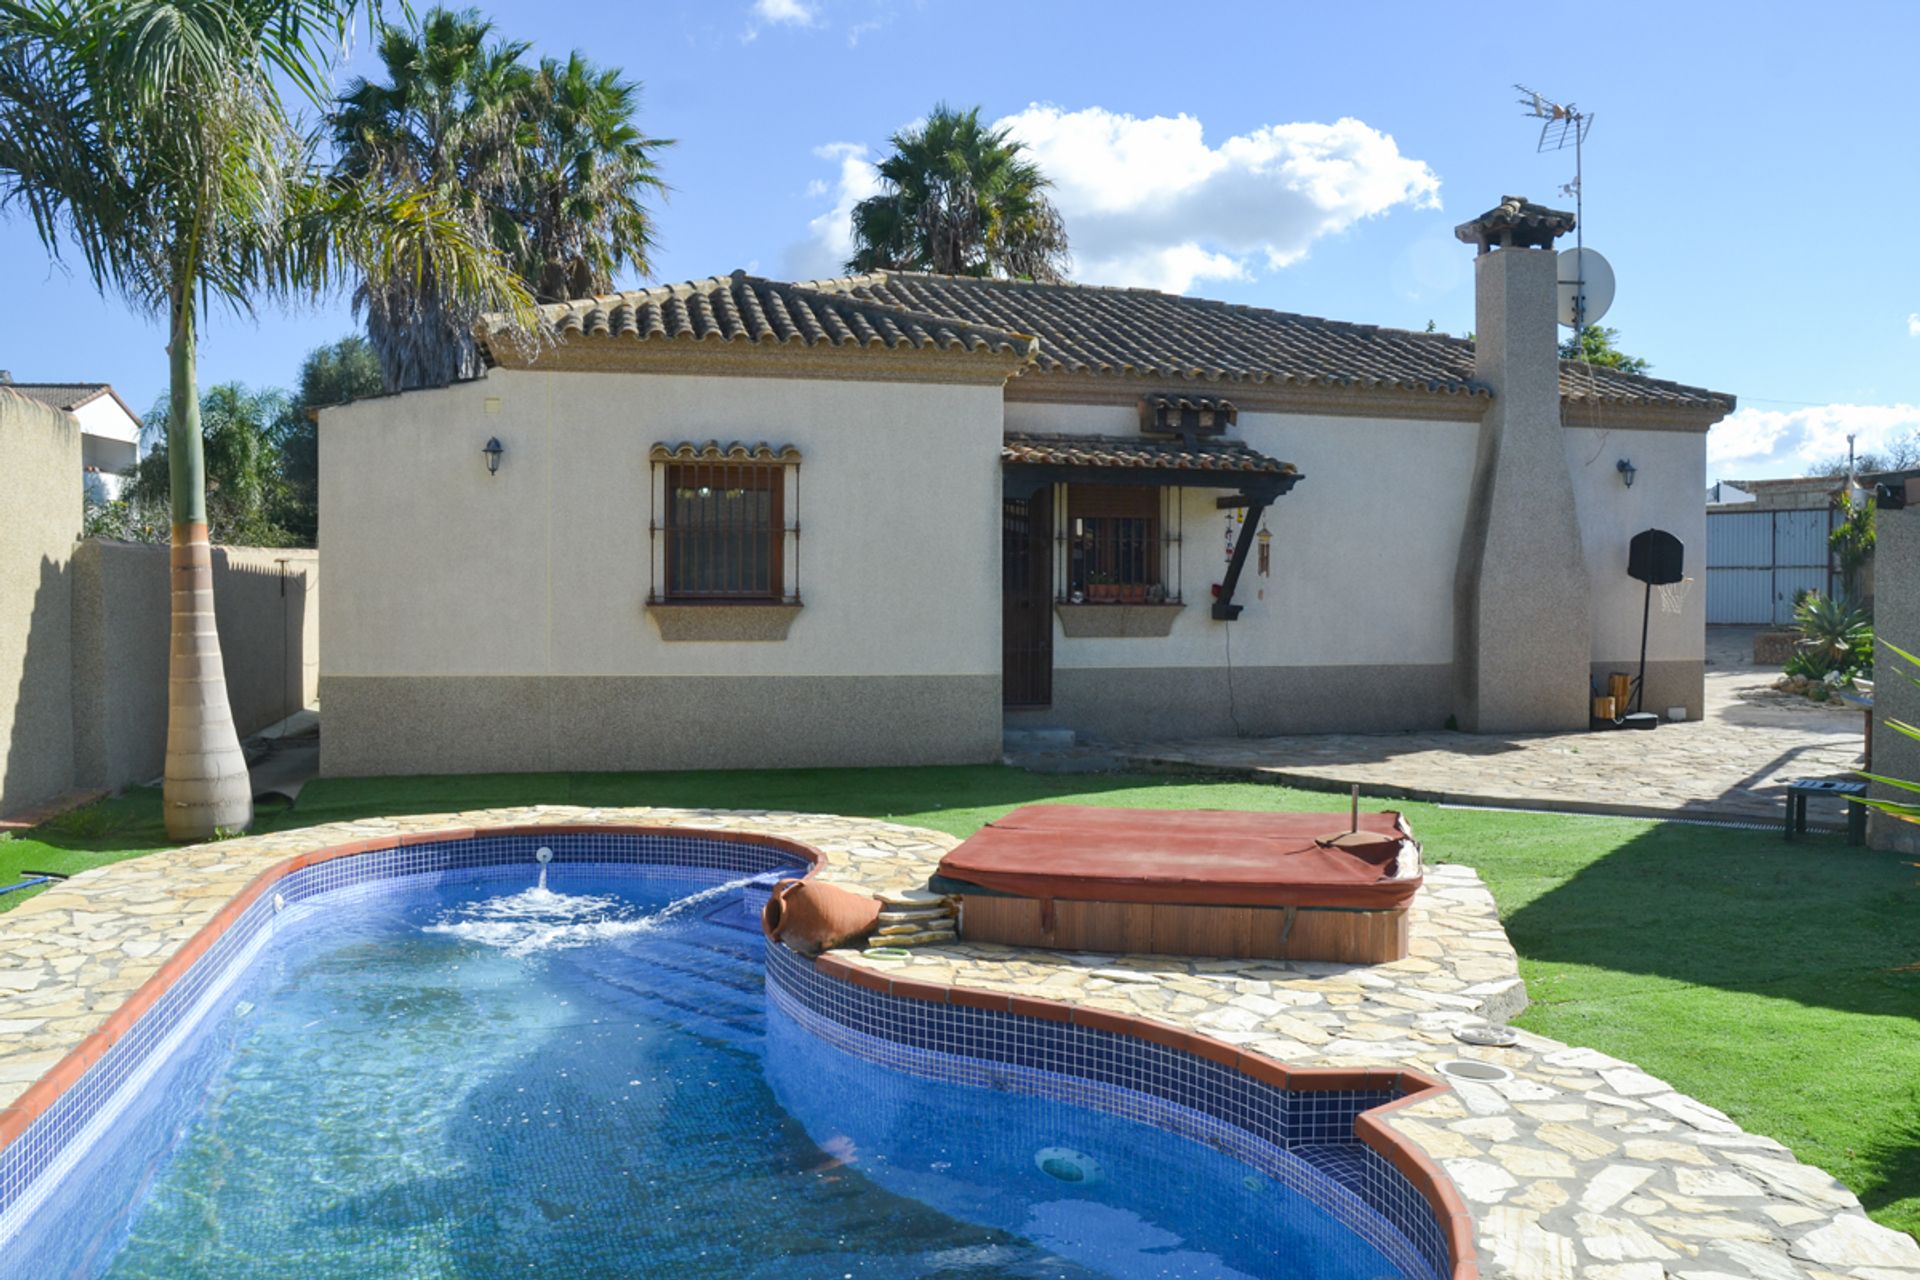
(540,919)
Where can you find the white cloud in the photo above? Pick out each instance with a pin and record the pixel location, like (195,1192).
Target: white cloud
(1913,324)
(1149,202)
(790,12)
(1758,443)
(829,241)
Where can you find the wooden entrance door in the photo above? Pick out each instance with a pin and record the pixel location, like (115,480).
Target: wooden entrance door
(1026,600)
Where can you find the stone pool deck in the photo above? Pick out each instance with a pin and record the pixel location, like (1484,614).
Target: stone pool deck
(1578,1166)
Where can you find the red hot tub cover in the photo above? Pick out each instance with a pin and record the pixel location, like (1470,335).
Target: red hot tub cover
(1203,857)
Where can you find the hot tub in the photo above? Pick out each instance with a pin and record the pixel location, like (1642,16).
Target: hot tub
(1296,886)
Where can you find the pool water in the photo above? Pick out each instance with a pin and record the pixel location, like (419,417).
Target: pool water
(485,1078)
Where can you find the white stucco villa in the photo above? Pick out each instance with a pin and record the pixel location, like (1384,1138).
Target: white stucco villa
(109,430)
(874,520)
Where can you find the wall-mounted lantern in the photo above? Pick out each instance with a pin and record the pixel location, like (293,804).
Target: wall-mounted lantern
(1626,469)
(1265,541)
(494,450)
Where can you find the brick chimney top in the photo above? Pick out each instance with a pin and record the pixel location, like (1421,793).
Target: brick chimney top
(1515,223)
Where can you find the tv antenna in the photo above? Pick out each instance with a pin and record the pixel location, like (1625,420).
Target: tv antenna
(1565,125)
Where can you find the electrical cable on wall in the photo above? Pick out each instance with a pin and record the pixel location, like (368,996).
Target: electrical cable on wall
(1233,711)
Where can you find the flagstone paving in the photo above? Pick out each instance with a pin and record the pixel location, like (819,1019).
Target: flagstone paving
(1579,1165)
(1733,763)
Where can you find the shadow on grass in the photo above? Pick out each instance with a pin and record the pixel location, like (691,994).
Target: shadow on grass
(1813,921)
(1762,976)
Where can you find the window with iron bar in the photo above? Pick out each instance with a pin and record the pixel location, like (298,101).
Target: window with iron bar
(723,533)
(1115,543)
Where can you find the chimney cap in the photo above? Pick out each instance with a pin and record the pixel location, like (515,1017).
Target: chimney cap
(1515,223)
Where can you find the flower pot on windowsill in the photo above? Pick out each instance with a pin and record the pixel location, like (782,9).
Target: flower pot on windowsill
(1103,593)
(1133,593)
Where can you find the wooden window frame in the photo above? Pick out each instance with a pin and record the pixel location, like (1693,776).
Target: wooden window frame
(1135,559)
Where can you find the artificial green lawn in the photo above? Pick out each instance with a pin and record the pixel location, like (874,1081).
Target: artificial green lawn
(1769,979)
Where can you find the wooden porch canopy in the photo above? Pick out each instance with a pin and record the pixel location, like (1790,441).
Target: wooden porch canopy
(1032,462)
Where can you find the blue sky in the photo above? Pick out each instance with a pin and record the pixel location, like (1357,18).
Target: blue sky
(1751,172)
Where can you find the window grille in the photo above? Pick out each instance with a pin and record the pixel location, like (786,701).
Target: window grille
(723,524)
(1117,542)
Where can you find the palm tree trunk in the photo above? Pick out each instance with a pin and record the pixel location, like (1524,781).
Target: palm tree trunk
(206,786)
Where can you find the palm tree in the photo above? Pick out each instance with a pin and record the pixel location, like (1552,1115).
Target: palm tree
(446,121)
(241,459)
(149,135)
(960,199)
(585,167)
(546,163)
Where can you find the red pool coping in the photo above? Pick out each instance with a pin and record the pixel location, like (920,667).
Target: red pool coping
(1370,1126)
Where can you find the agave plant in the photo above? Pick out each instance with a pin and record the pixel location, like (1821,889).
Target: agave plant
(1836,633)
(1904,810)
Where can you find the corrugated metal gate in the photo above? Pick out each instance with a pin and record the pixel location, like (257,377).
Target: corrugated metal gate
(1758,560)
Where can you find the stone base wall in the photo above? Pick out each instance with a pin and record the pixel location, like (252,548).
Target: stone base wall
(531,724)
(1122,703)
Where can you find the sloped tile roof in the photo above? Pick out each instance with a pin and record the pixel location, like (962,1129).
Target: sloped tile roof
(1081,329)
(61,395)
(744,308)
(1089,329)
(1134,451)
(1092,329)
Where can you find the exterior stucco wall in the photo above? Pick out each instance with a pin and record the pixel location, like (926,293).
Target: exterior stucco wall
(1362,554)
(1354,629)
(1897,617)
(536,578)
(39,519)
(83,628)
(1670,474)
(268,642)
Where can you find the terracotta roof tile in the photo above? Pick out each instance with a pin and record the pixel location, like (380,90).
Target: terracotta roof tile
(1085,329)
(744,308)
(1133,451)
(1516,221)
(61,395)
(1093,329)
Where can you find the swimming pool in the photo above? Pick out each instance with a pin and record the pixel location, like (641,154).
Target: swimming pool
(429,1067)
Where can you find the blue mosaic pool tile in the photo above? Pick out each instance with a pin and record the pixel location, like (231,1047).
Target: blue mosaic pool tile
(46,1148)
(1303,1139)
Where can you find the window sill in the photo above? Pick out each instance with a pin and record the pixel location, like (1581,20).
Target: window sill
(735,620)
(1117,621)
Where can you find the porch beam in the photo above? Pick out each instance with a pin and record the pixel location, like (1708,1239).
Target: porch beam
(1224,609)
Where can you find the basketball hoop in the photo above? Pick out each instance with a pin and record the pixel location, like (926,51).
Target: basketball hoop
(1674,595)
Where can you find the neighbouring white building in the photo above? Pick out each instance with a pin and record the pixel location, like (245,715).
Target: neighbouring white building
(109,430)
(875,520)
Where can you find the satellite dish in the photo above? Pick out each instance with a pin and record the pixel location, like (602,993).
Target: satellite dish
(1586,267)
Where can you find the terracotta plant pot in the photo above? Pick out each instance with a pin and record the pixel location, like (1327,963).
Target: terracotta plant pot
(1102,592)
(811,916)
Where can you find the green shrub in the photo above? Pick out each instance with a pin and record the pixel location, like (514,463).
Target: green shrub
(1900,809)
(1835,635)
